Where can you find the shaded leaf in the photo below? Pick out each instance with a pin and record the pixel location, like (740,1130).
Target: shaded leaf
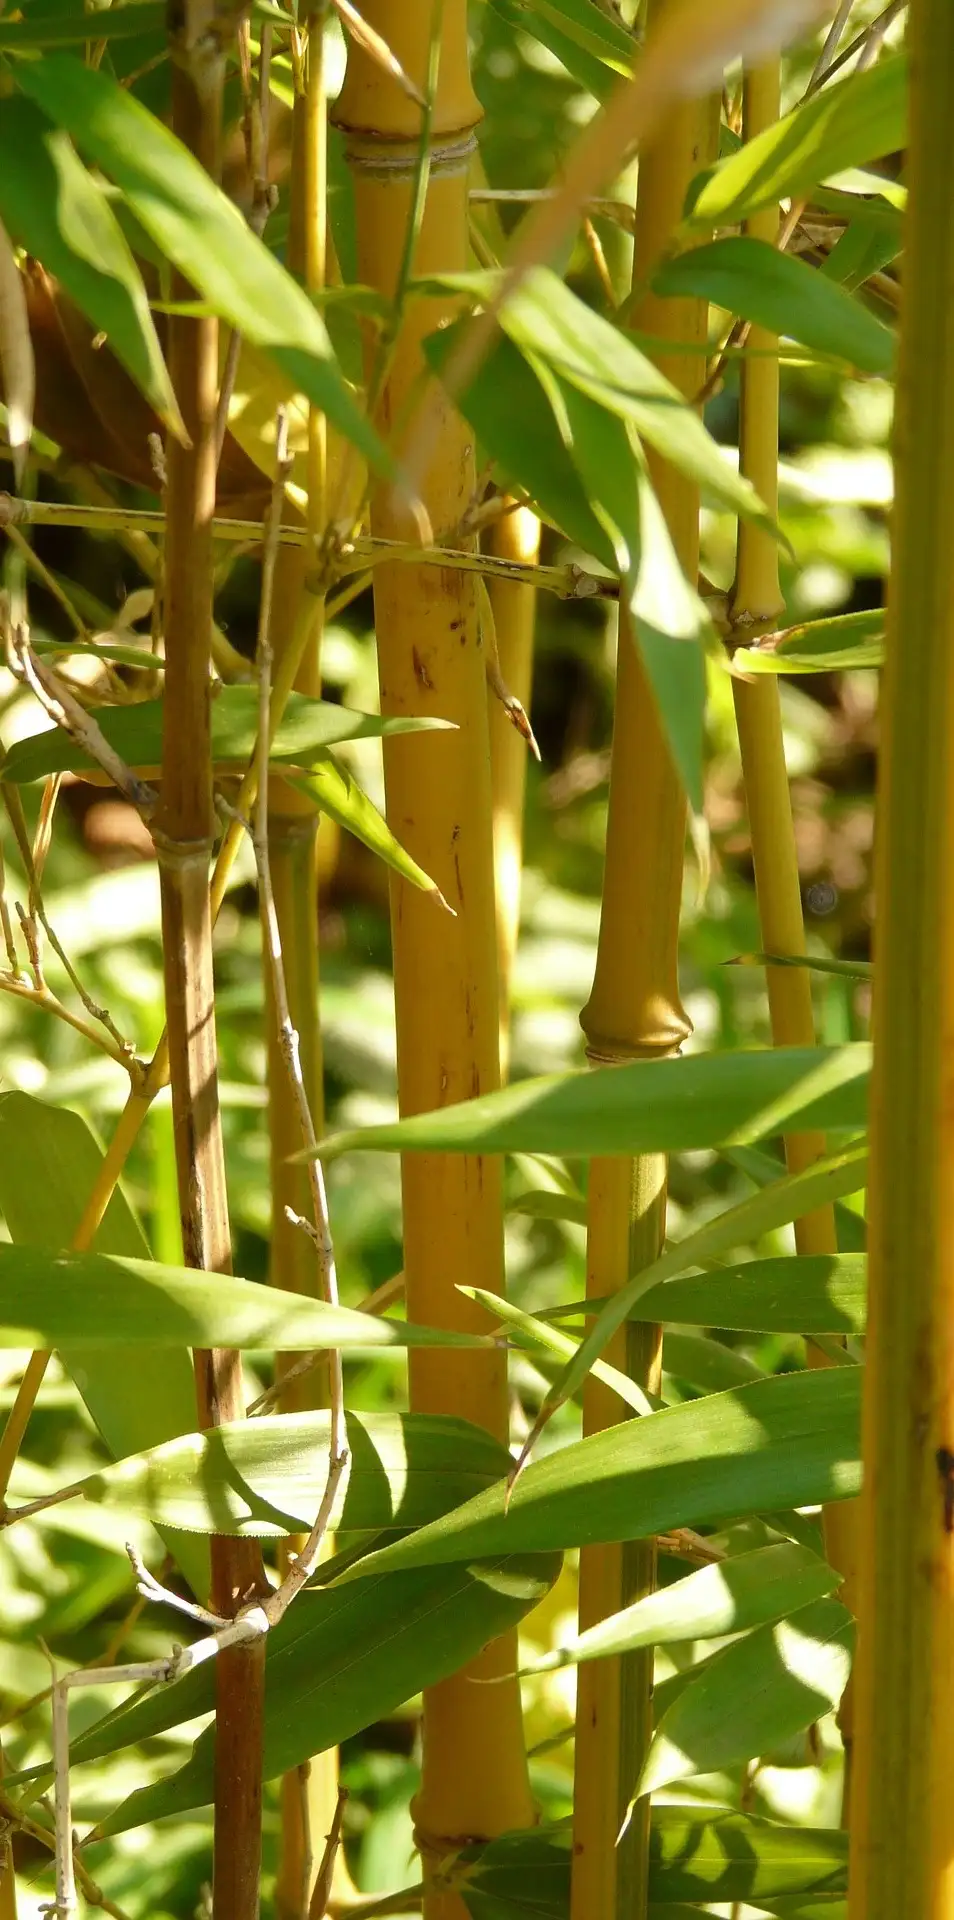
(86,1300)
(754,1696)
(336,1663)
(750,1590)
(651,1106)
(65,26)
(789,1441)
(811,1293)
(755,280)
(694,1857)
(56,210)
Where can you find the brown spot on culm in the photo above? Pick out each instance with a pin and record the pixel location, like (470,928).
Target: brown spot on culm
(945,1466)
(421,674)
(460,883)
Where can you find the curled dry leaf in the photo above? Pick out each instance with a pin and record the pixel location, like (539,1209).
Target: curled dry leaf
(688,46)
(16,356)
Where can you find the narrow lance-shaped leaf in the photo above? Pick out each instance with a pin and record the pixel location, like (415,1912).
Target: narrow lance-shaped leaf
(97,1300)
(54,209)
(845,125)
(695,1857)
(785,1200)
(200,231)
(262,1479)
(306,728)
(750,278)
(651,1106)
(814,1293)
(790,1441)
(754,1696)
(750,1590)
(338,1661)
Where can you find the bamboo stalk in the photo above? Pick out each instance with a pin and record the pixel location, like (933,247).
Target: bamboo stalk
(183,829)
(901,1817)
(309,1796)
(430,662)
(756,603)
(515,536)
(634,1012)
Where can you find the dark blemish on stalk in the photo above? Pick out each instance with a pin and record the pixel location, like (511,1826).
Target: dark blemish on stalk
(421,674)
(945,1466)
(455,833)
(460,883)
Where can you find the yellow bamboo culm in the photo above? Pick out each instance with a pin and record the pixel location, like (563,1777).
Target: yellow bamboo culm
(474,1779)
(756,604)
(515,537)
(902,1833)
(635,1012)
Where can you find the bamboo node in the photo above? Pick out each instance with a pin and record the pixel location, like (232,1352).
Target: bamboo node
(400,160)
(181,856)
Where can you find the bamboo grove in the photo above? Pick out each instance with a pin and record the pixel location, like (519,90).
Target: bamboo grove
(507,1551)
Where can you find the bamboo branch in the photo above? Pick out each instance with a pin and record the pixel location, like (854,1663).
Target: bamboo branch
(514,536)
(183,830)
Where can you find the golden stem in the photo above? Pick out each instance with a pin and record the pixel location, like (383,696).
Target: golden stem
(635,1011)
(901,1854)
(515,536)
(431,662)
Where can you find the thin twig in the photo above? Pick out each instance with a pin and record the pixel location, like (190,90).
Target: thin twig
(304,1563)
(61,706)
(375,1302)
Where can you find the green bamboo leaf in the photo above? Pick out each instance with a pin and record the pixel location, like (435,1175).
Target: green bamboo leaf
(261,1479)
(754,1696)
(762,1168)
(49,1162)
(776,1205)
(541,1205)
(865,247)
(335,1664)
(552,326)
(752,1590)
(537,1333)
(509,409)
(812,963)
(707,1364)
(200,231)
(790,1441)
(58,212)
(811,1293)
(69,26)
(820,646)
(669,620)
(652,1106)
(307,727)
(593,46)
(846,125)
(694,1857)
(93,1300)
(336,791)
(750,278)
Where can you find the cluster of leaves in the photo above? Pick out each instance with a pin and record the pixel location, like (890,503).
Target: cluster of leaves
(433,1561)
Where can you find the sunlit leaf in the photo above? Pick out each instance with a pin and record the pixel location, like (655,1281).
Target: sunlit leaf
(750,1590)
(754,1696)
(820,646)
(58,212)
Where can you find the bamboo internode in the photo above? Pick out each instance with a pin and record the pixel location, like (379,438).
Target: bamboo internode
(439,804)
(634,1011)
